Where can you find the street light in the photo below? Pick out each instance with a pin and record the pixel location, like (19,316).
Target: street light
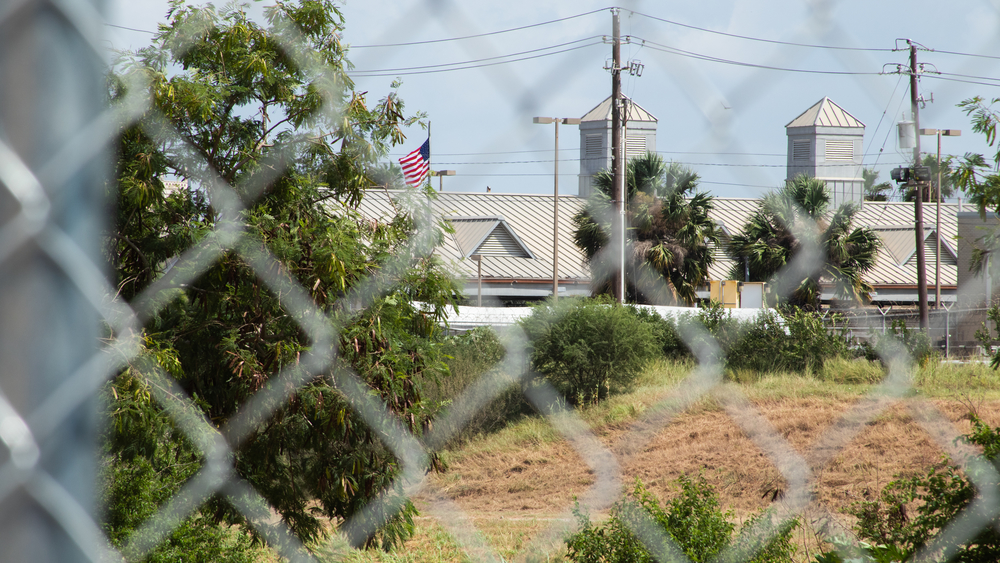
(441,174)
(555,199)
(937,228)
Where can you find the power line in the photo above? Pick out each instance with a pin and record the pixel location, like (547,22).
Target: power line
(393,70)
(937,77)
(675,51)
(130,28)
(759,39)
(470,65)
(429,41)
(966,54)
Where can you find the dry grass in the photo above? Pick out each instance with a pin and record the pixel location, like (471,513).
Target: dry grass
(518,482)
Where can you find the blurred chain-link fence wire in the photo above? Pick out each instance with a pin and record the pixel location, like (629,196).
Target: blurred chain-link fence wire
(55,129)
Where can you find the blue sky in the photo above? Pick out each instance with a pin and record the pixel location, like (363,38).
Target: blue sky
(724,119)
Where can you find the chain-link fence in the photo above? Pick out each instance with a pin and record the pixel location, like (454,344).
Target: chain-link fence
(56,133)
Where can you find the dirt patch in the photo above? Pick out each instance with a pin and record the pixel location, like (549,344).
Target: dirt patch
(851,448)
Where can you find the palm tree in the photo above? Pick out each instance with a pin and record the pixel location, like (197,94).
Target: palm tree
(777,232)
(667,251)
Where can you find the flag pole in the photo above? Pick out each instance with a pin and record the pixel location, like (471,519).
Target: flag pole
(430,183)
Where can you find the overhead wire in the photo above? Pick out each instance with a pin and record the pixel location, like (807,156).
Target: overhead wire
(673,50)
(475,63)
(487,34)
(759,39)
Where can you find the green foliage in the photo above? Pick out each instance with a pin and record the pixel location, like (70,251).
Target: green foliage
(588,349)
(788,340)
(668,246)
(797,218)
(667,339)
(875,192)
(910,512)
(298,145)
(693,520)
(914,341)
(471,357)
(986,338)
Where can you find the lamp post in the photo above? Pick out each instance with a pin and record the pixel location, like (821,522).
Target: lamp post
(441,174)
(555,198)
(937,228)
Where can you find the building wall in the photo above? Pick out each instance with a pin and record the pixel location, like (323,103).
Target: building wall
(832,154)
(595,147)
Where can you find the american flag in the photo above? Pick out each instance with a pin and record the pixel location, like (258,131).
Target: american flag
(417,164)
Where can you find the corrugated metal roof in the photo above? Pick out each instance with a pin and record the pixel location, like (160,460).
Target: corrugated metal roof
(603,112)
(487,236)
(530,216)
(825,113)
(895,218)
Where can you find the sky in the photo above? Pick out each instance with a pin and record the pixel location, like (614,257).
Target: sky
(723,77)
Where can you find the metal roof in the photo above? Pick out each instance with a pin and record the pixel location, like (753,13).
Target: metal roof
(487,236)
(825,113)
(603,112)
(892,221)
(531,217)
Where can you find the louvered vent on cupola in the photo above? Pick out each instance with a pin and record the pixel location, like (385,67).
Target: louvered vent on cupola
(487,236)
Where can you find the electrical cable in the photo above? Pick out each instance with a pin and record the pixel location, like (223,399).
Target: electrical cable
(434,68)
(749,38)
(480,34)
(889,131)
(130,28)
(672,50)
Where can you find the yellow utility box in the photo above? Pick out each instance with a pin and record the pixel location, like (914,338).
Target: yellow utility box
(725,292)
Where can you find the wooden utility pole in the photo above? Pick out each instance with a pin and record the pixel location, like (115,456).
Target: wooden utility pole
(617,162)
(918,208)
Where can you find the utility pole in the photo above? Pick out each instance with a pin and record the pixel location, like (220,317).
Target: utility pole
(918,208)
(617,162)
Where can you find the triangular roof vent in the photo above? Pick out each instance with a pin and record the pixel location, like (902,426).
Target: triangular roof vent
(825,113)
(487,236)
(603,112)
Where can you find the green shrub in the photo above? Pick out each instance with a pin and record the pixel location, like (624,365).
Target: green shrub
(587,348)
(668,340)
(915,341)
(909,513)
(856,370)
(693,520)
(470,357)
(791,340)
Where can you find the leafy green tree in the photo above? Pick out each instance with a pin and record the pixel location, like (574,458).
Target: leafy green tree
(670,235)
(269,110)
(873,191)
(777,231)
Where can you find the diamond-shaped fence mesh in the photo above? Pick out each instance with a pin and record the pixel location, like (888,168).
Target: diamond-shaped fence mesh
(56,132)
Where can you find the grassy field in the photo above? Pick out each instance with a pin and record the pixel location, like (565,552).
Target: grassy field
(512,489)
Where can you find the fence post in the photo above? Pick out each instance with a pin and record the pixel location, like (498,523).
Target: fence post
(51,88)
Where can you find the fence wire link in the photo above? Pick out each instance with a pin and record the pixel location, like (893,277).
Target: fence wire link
(48,241)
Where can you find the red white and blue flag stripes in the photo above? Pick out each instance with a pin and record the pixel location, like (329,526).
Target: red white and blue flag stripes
(417,164)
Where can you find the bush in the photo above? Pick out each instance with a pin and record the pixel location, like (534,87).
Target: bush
(915,341)
(789,340)
(587,348)
(910,513)
(471,356)
(693,520)
(668,340)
